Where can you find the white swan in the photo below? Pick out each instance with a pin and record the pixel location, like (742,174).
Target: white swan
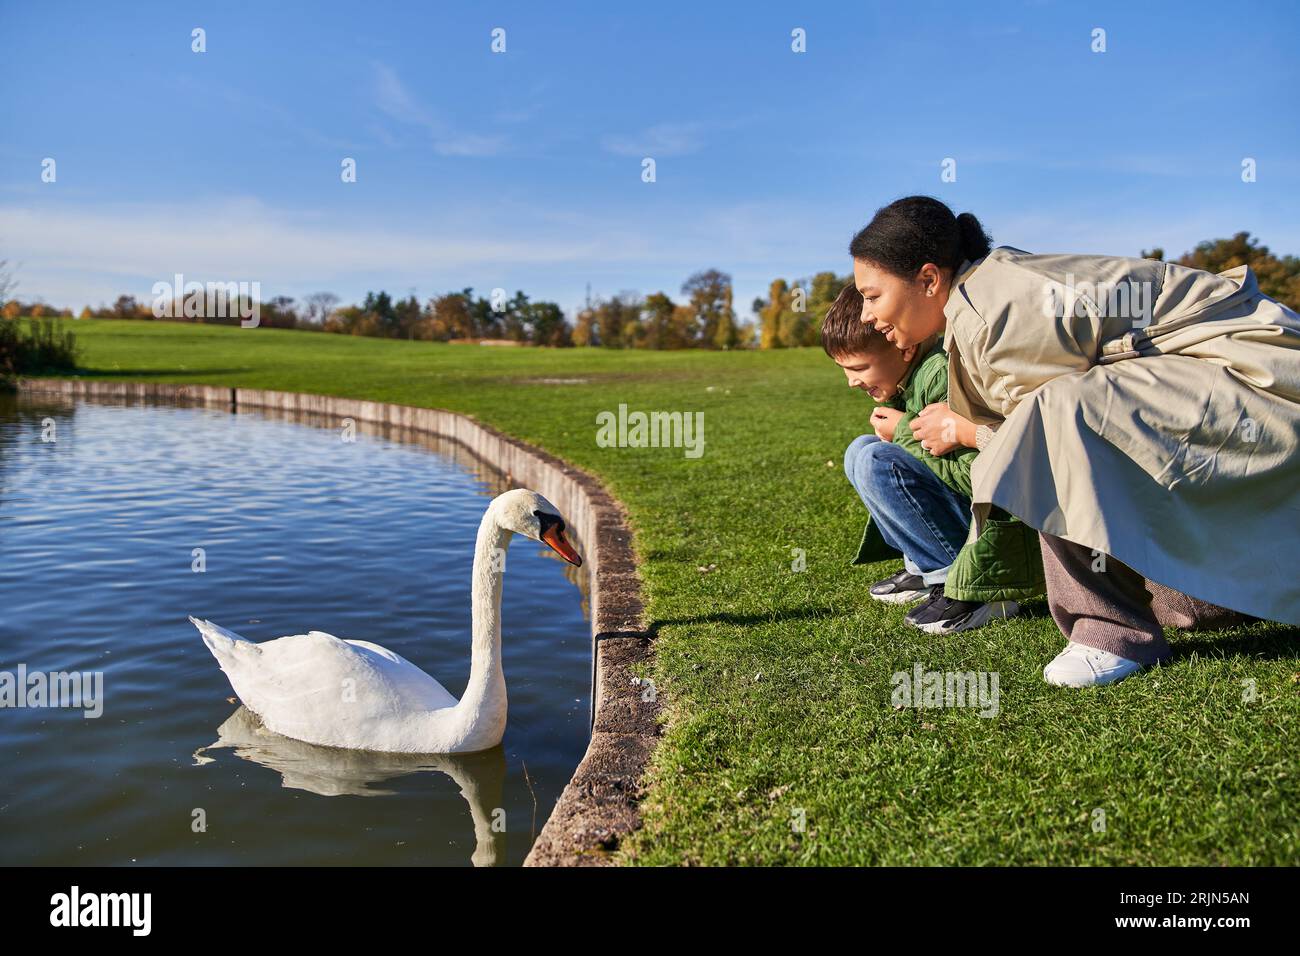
(354,694)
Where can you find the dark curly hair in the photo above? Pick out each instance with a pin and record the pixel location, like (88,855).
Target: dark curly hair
(910,232)
(843,331)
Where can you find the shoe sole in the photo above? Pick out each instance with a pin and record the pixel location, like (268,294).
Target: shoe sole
(997,610)
(1104,680)
(900,597)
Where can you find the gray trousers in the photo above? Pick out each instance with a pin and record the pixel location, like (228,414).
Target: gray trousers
(1099,602)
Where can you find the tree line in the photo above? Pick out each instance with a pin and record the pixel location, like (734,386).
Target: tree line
(703,317)
(42,344)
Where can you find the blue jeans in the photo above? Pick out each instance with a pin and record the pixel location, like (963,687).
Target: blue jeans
(914,511)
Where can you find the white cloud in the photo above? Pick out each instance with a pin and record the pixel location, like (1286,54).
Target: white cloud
(71,255)
(392,96)
(399,103)
(666,139)
(128,247)
(91,254)
(469,144)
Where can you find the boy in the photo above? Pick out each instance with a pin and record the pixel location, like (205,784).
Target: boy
(919,503)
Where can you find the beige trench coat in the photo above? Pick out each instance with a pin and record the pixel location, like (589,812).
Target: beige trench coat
(1145,410)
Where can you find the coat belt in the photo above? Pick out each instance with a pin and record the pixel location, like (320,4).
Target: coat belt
(1126,346)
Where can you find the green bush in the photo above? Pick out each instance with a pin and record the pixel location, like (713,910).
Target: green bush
(35,346)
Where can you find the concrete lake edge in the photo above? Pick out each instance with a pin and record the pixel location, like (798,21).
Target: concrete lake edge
(600,804)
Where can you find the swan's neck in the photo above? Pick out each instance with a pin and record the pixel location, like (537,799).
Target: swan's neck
(484,700)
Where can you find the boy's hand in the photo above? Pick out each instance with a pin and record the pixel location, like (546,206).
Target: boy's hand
(940,430)
(884,421)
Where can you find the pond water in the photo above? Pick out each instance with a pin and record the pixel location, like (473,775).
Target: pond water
(370,539)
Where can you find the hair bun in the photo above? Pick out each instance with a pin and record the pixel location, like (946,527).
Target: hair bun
(914,230)
(975,242)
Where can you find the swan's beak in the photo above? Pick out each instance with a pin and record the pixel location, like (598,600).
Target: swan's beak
(553,537)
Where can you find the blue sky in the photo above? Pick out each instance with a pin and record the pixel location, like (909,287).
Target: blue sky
(523,169)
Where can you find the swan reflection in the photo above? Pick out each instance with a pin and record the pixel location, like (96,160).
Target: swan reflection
(332,772)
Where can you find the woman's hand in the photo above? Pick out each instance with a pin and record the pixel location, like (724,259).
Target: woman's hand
(940,430)
(884,421)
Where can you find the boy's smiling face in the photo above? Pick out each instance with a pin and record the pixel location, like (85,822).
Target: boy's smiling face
(877,373)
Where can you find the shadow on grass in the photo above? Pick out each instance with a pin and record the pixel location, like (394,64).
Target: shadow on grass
(1033,608)
(765,617)
(1267,640)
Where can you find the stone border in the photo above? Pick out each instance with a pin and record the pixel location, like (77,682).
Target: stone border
(600,804)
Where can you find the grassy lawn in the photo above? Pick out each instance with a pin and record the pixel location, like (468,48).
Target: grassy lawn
(778,682)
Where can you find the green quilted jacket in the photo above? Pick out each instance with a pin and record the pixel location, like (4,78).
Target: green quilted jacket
(1004,563)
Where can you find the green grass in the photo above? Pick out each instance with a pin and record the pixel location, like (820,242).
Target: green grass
(777,683)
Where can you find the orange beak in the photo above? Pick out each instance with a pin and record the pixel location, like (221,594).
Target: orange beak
(554,539)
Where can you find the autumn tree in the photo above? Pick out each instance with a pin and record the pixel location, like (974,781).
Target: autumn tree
(487,322)
(1278,278)
(126,307)
(771,312)
(407,316)
(618,321)
(684,328)
(656,321)
(451,316)
(279,313)
(319,306)
(792,315)
(822,292)
(797,327)
(713,322)
(584,329)
(546,325)
(666,325)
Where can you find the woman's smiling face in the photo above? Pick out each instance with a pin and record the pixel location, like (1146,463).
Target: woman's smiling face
(906,311)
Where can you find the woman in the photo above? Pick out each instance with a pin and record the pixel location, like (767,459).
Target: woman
(1143,416)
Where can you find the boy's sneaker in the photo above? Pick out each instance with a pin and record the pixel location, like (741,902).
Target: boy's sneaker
(1082,666)
(900,588)
(938,614)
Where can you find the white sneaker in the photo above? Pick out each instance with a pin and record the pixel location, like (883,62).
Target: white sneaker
(1082,666)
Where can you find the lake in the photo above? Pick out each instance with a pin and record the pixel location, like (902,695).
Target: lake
(135,516)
